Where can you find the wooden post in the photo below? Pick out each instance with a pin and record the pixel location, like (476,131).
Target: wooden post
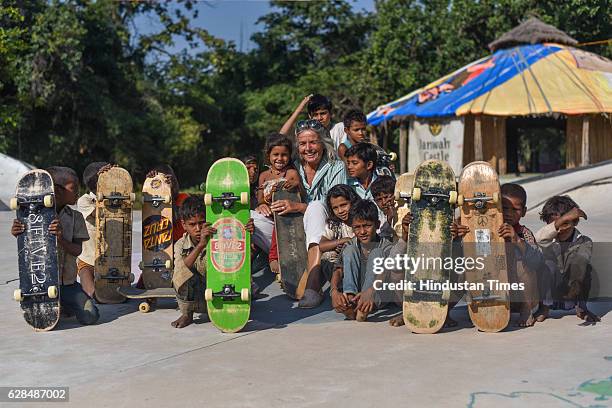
(586,154)
(478,138)
(403,148)
(385,141)
(373,134)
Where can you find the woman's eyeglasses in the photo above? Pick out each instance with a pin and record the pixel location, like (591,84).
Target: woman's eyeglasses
(308,124)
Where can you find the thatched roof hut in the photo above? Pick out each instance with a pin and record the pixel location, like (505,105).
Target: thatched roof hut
(532,31)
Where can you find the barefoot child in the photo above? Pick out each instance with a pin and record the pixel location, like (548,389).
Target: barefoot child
(189,278)
(281,173)
(70,231)
(355,127)
(526,260)
(354,270)
(568,255)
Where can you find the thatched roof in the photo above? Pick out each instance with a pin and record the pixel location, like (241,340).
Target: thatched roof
(532,31)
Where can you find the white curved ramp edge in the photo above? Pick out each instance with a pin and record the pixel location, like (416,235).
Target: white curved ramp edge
(10,171)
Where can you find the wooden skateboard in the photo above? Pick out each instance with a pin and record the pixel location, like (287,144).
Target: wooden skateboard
(38,290)
(403,192)
(433,196)
(481,211)
(228,253)
(291,243)
(157,243)
(112,268)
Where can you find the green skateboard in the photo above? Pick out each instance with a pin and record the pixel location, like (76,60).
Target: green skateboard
(228,253)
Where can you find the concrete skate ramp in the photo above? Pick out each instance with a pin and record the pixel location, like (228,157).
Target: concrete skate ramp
(10,171)
(541,188)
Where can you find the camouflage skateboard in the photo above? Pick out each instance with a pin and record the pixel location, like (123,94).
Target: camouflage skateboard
(112,267)
(38,290)
(481,211)
(433,196)
(228,253)
(157,244)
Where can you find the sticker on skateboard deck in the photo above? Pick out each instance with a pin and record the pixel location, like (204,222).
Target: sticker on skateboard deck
(157,244)
(403,193)
(112,269)
(291,243)
(481,210)
(228,253)
(432,203)
(38,291)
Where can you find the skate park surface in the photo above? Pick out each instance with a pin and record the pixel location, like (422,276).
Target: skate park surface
(288,356)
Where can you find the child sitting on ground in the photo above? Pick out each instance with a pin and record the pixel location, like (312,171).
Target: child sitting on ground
(568,256)
(354,275)
(189,278)
(280,175)
(70,230)
(355,127)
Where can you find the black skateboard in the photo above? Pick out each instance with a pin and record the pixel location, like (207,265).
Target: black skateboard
(38,290)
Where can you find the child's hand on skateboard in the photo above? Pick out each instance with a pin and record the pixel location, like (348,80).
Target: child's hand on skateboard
(205,234)
(17,228)
(250,226)
(406,225)
(458,230)
(56,229)
(264,210)
(508,233)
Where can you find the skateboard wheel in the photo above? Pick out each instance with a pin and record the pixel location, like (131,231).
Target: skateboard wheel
(409,292)
(132,197)
(495,197)
(244,295)
(208,295)
(416,194)
(131,277)
(460,200)
(48,201)
(13,203)
(207,199)
(446,295)
(393,156)
(277,277)
(452,197)
(168,264)
(144,307)
(140,265)
(244,198)
(52,292)
(167,199)
(17,295)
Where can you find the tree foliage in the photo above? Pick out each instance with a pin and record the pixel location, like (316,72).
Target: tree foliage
(79,82)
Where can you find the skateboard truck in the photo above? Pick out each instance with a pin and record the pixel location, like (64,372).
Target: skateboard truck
(113,274)
(156,200)
(417,194)
(115,198)
(228,292)
(46,200)
(157,264)
(479,199)
(227,199)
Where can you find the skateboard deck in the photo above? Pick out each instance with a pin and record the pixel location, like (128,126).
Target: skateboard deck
(39,289)
(481,211)
(403,192)
(291,243)
(228,253)
(433,196)
(149,296)
(112,268)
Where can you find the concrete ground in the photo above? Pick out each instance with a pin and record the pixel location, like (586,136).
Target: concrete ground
(286,356)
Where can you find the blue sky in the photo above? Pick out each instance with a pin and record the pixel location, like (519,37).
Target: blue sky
(226,18)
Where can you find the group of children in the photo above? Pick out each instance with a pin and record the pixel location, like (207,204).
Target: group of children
(554,263)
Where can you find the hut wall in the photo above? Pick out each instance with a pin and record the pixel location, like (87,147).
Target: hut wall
(600,139)
(493,129)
